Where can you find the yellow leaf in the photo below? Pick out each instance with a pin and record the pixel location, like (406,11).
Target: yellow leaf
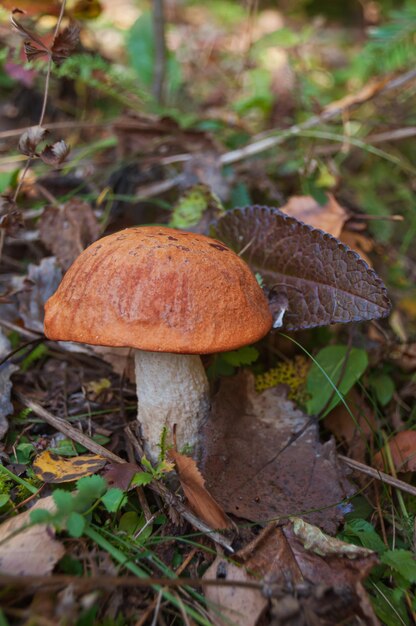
(52,468)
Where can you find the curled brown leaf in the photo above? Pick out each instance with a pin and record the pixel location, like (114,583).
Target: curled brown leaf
(56,153)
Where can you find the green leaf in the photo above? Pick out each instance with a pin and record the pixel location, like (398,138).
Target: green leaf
(40,516)
(365,534)
(389,605)
(92,487)
(64,501)
(75,524)
(24,452)
(141,50)
(71,566)
(243,356)
(129,522)
(240,195)
(403,562)
(4,499)
(34,355)
(114,499)
(383,387)
(141,478)
(343,367)
(6,179)
(192,204)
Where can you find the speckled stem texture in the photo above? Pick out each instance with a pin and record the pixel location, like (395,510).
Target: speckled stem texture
(171,389)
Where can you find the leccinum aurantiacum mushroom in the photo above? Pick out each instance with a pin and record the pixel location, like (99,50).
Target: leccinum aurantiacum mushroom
(170,295)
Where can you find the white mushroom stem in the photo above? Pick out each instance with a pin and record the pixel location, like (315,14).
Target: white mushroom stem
(171,389)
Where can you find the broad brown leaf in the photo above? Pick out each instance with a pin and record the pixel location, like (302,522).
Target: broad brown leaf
(316,576)
(68,229)
(200,500)
(31,552)
(120,474)
(233,605)
(263,458)
(402,450)
(357,242)
(323,280)
(355,434)
(52,468)
(329,217)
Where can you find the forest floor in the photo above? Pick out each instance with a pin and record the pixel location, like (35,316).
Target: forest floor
(302,509)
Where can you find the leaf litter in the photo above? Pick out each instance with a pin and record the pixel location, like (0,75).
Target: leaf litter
(306,577)
(329,217)
(6,370)
(302,598)
(263,458)
(66,230)
(29,551)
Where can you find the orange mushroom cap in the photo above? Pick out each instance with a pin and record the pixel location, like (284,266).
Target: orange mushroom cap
(159,289)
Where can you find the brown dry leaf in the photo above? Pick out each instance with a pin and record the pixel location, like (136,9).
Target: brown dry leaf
(200,500)
(368,91)
(11,218)
(56,153)
(408,306)
(52,468)
(403,453)
(31,552)
(40,283)
(405,356)
(233,605)
(358,242)
(337,570)
(263,458)
(354,434)
(120,474)
(6,370)
(305,572)
(329,217)
(67,230)
(30,139)
(65,43)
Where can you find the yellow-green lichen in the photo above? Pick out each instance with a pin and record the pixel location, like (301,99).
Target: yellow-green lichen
(291,373)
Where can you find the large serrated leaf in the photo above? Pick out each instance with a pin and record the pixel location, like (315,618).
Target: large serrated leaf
(322,280)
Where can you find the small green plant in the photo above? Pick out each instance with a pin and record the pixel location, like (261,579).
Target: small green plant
(391,584)
(74,509)
(153,473)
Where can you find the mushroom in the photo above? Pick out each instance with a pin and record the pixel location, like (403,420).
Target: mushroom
(171,296)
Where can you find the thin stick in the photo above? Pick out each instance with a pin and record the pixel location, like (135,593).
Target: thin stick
(63,427)
(266,141)
(381,476)
(125,581)
(160,51)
